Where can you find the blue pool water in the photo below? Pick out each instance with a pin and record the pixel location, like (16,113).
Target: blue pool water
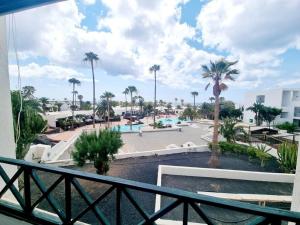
(126,128)
(172,121)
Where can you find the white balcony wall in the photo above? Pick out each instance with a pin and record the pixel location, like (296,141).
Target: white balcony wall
(7,144)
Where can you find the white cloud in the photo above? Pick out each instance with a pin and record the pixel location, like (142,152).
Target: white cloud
(257,32)
(46,71)
(131,37)
(89,2)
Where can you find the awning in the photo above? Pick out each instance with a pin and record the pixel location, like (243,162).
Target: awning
(11,6)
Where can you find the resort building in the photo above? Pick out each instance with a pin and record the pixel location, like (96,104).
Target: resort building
(283,98)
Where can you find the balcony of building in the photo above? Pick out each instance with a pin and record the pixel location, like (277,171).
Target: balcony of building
(119,201)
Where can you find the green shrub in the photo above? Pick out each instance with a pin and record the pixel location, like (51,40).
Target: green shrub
(159,124)
(287,154)
(259,152)
(229,129)
(99,148)
(289,127)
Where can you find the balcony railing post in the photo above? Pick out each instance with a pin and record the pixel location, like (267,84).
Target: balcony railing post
(27,190)
(185,213)
(118,206)
(68,198)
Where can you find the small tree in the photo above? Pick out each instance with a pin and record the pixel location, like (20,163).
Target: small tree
(190,113)
(229,129)
(98,148)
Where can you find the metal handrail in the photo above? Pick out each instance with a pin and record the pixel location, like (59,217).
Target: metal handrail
(121,185)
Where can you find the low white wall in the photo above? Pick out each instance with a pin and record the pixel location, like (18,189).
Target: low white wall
(227,174)
(200,148)
(216,173)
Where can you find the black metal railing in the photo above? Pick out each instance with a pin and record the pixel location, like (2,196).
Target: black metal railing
(29,173)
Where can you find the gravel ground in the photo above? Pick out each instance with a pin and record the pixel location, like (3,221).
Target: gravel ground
(144,169)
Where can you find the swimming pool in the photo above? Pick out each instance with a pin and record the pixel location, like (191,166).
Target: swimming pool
(126,128)
(172,121)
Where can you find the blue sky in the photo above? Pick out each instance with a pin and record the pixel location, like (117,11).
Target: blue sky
(130,36)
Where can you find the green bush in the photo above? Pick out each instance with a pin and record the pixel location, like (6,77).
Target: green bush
(99,148)
(259,152)
(289,127)
(159,124)
(287,154)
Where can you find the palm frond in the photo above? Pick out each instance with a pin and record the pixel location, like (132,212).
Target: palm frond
(223,87)
(206,87)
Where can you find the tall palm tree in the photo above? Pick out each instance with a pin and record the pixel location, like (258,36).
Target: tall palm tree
(28,91)
(176,99)
(140,101)
(182,102)
(154,69)
(74,82)
(131,89)
(126,92)
(91,57)
(218,72)
(194,94)
(108,96)
(211,99)
(80,97)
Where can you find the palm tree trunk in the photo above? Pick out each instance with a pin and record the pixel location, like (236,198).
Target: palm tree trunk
(94,98)
(131,111)
(73,93)
(154,113)
(125,103)
(107,112)
(194,101)
(214,151)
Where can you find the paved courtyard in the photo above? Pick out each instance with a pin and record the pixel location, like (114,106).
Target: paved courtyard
(133,142)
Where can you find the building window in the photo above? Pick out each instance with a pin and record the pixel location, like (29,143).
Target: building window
(260,98)
(284,115)
(297,112)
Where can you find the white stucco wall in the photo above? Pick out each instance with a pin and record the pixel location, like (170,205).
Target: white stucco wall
(7,144)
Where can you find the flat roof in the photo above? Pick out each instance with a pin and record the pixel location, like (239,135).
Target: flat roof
(9,6)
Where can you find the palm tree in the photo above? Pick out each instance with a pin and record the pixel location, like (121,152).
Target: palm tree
(74,82)
(91,57)
(58,104)
(28,91)
(44,102)
(154,69)
(218,72)
(75,97)
(176,99)
(131,89)
(108,96)
(126,92)
(257,108)
(182,102)
(140,102)
(80,97)
(194,93)
(211,99)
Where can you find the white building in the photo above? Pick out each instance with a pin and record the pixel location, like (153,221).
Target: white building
(286,99)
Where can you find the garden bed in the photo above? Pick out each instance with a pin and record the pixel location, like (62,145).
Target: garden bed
(144,169)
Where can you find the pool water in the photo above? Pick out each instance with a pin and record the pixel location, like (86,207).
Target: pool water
(172,121)
(126,128)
